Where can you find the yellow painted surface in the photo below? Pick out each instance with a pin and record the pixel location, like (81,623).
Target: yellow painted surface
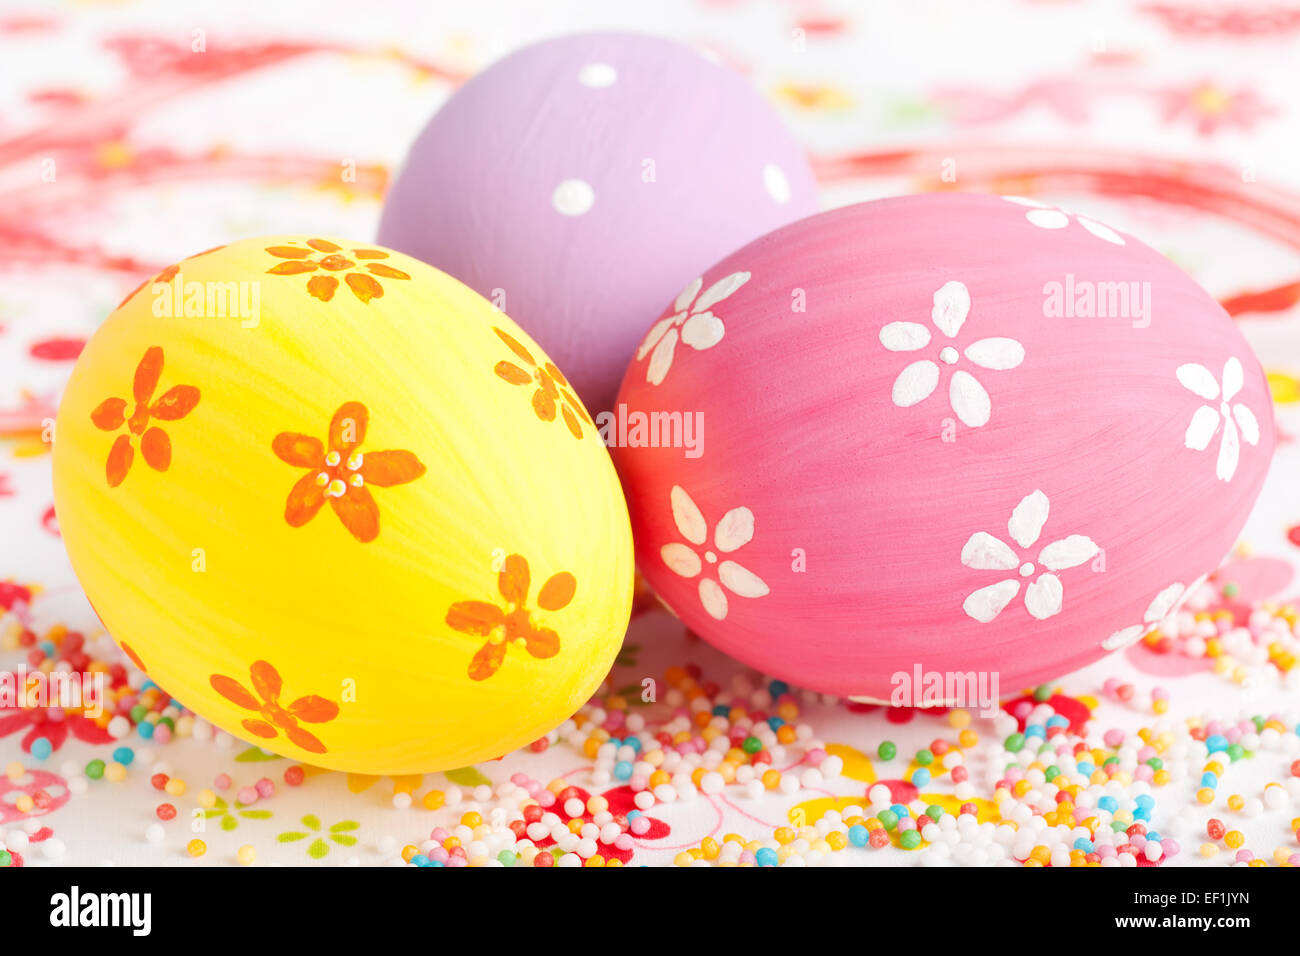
(283,606)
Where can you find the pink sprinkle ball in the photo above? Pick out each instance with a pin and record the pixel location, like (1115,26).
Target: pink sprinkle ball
(222,781)
(265,788)
(246,795)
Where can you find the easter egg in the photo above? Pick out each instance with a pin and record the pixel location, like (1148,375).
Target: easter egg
(972,434)
(331,500)
(580,182)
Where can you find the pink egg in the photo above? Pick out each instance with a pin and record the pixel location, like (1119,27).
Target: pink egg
(965,433)
(579,183)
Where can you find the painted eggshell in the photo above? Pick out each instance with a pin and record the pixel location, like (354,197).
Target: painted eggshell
(581,182)
(960,431)
(330,499)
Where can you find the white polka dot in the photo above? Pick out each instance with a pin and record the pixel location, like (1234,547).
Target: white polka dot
(774,181)
(597,75)
(573,197)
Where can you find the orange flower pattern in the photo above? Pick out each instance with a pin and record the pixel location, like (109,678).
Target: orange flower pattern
(111,414)
(272,718)
(512,624)
(166,275)
(341,474)
(553,389)
(363,284)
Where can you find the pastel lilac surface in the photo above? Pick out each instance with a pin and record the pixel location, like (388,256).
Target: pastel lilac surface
(587,179)
(921,444)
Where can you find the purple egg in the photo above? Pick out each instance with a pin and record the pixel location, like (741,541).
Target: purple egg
(581,183)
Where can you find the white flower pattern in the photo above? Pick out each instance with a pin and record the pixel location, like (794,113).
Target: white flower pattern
(1053,217)
(700,328)
(970,402)
(1238,421)
(1162,605)
(1044,597)
(735,530)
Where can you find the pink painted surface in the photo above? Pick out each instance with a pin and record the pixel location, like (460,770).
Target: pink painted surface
(1104,436)
(681,159)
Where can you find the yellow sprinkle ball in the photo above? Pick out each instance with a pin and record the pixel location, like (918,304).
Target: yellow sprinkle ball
(175,787)
(196,848)
(246,855)
(434,799)
(1234,839)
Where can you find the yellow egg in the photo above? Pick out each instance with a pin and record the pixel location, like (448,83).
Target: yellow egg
(333,501)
